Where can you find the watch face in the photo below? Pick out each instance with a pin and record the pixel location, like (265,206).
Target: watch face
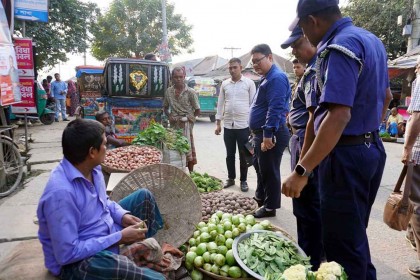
(300,170)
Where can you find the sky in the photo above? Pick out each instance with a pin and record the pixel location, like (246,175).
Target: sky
(218,24)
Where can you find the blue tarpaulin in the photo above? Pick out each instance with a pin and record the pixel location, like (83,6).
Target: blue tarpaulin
(88,71)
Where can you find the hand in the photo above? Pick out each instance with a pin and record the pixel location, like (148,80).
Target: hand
(267,144)
(406,155)
(218,129)
(293,185)
(129,220)
(133,234)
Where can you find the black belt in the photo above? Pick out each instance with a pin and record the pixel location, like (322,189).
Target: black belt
(256,131)
(352,140)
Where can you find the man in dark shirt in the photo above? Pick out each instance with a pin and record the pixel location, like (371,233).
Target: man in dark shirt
(267,122)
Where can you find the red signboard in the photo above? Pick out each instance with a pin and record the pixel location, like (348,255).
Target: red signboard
(9,77)
(27,106)
(24,57)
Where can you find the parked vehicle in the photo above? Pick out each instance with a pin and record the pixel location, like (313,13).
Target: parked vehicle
(206,89)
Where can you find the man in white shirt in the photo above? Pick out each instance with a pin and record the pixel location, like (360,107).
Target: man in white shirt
(235,98)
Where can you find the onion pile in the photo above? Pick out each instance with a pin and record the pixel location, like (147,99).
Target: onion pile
(132,157)
(228,202)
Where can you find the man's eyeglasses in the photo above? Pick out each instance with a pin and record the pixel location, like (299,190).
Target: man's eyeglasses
(258,61)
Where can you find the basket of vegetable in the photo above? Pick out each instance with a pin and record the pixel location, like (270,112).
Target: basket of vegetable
(206,183)
(176,196)
(128,158)
(210,248)
(386,137)
(265,254)
(229,202)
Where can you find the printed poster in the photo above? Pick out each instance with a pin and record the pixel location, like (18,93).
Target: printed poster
(27,90)
(9,76)
(24,57)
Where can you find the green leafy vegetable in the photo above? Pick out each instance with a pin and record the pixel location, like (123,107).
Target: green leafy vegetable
(205,183)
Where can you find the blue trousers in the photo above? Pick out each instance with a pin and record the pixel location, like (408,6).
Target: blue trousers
(349,179)
(60,107)
(233,137)
(267,166)
(307,210)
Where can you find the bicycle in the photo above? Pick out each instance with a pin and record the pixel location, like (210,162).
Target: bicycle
(11,167)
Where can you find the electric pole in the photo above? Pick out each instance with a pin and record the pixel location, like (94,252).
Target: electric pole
(232,49)
(413,40)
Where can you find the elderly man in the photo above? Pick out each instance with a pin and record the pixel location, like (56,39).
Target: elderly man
(80,228)
(306,208)
(181,106)
(267,122)
(111,139)
(235,98)
(411,153)
(354,94)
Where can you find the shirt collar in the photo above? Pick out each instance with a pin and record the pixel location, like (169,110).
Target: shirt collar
(338,25)
(266,76)
(241,79)
(73,173)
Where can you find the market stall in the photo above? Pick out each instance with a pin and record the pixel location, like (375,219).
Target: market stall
(89,85)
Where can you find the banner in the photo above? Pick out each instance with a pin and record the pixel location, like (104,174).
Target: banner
(31,10)
(24,57)
(9,76)
(28,105)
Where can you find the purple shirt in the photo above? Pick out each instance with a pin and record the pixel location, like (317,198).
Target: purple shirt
(76,217)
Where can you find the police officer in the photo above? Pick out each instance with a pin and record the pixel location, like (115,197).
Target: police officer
(354,94)
(306,208)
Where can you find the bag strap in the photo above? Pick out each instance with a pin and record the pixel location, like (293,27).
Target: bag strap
(401,179)
(407,186)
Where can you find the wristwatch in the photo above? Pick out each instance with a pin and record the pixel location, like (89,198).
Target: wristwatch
(301,171)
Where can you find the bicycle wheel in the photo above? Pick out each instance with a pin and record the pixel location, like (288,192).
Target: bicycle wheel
(11,168)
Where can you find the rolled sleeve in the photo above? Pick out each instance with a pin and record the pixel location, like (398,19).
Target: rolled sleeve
(220,103)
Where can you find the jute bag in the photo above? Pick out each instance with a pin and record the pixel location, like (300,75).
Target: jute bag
(398,209)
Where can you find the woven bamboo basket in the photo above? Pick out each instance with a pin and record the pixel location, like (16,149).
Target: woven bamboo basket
(176,195)
(110,170)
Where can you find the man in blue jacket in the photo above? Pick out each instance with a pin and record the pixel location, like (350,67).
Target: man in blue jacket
(267,122)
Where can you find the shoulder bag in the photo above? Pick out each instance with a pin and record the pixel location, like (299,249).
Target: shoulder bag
(398,209)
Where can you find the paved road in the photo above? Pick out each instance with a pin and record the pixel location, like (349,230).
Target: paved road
(390,252)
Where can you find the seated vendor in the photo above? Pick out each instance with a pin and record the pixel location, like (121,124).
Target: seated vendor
(395,124)
(80,228)
(112,140)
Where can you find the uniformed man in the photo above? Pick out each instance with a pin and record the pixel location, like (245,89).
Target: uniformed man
(354,94)
(306,208)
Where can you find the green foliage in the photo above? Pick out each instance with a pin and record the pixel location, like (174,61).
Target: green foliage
(205,183)
(134,27)
(66,32)
(380,18)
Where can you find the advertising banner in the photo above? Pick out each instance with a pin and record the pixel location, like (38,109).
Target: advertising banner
(27,106)
(24,57)
(9,76)
(31,10)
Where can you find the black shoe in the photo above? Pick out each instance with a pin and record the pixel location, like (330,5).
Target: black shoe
(411,242)
(244,186)
(414,270)
(228,183)
(262,213)
(56,120)
(259,201)
(66,120)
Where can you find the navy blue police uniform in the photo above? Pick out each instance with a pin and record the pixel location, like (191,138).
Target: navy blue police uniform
(267,118)
(306,208)
(351,71)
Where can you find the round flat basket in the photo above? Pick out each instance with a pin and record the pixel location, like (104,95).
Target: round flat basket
(176,195)
(216,276)
(131,150)
(246,235)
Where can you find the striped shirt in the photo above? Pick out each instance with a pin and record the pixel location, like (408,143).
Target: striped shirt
(415,107)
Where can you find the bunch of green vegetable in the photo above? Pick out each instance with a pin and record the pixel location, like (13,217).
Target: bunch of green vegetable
(205,183)
(211,245)
(156,135)
(384,134)
(269,255)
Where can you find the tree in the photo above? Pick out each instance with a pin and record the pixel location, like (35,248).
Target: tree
(67,31)
(132,28)
(380,18)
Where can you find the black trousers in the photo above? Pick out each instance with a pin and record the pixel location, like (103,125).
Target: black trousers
(267,166)
(232,138)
